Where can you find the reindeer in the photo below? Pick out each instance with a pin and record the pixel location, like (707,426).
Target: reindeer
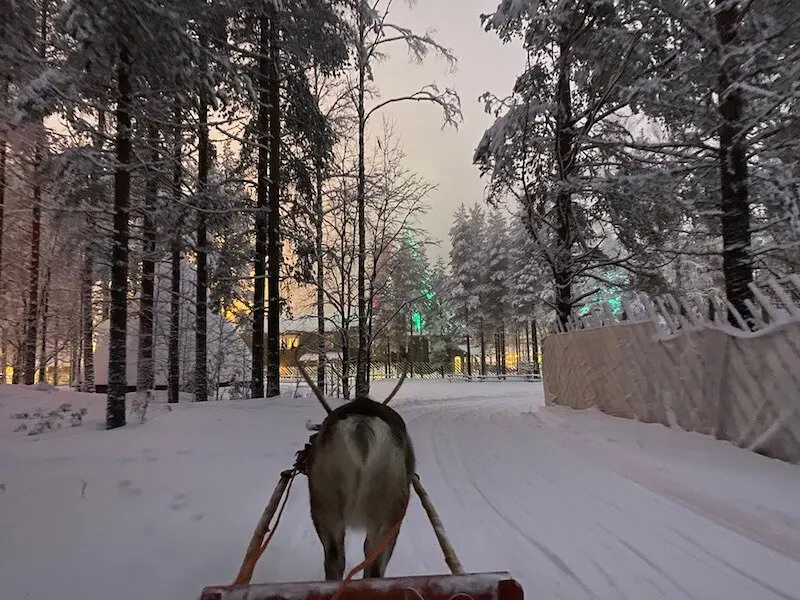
(360,467)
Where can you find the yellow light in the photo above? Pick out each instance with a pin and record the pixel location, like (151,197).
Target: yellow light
(512,358)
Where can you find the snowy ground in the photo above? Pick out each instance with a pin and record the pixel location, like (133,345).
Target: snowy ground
(574,504)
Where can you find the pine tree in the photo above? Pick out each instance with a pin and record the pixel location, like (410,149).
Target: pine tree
(550,144)
(725,100)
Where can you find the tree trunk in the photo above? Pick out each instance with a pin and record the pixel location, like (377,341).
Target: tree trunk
(3,157)
(31,320)
(497,357)
(87,321)
(362,382)
(318,245)
(565,161)
(411,348)
(274,259)
(469,358)
(32,313)
(469,349)
(737,265)
(173,358)
(87,275)
(527,344)
(74,362)
(43,345)
(55,363)
(4,85)
(261,219)
(173,351)
(494,349)
(345,377)
(117,347)
(535,346)
(105,296)
(201,297)
(145,367)
(483,350)
(15,364)
(503,366)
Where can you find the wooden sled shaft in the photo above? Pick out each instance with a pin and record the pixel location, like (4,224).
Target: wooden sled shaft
(248,565)
(438,528)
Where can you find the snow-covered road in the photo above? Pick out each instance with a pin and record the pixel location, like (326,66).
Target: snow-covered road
(581,505)
(574,504)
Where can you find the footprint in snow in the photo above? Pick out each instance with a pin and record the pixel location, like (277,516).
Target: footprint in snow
(179,502)
(125,487)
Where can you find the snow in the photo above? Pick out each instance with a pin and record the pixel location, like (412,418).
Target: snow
(575,504)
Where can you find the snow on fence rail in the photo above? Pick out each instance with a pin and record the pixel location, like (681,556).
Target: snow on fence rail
(679,362)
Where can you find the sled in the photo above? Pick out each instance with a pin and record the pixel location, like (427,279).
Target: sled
(457,586)
(475,586)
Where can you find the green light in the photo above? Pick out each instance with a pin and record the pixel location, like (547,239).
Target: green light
(416,320)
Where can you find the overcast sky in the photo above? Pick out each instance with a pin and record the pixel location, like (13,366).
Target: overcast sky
(484,64)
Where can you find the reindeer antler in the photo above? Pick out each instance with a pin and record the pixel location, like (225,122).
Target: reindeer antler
(399,383)
(317,392)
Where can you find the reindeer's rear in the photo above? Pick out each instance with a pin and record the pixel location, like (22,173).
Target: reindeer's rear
(359,475)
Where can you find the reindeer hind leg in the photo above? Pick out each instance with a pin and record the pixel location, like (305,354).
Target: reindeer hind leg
(375,536)
(333,547)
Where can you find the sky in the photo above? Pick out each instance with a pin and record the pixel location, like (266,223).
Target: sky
(444,157)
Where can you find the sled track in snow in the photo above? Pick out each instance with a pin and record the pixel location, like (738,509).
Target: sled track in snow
(554,501)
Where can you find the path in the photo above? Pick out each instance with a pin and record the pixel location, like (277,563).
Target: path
(576,505)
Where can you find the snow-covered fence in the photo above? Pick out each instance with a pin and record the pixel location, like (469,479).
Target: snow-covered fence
(679,362)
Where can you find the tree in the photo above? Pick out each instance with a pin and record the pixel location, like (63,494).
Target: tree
(126,41)
(395,197)
(287,130)
(725,102)
(145,377)
(374,31)
(464,275)
(330,93)
(497,300)
(525,284)
(39,145)
(549,146)
(404,292)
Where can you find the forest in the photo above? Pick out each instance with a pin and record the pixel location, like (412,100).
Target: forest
(170,170)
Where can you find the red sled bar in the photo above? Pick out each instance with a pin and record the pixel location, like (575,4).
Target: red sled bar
(468,586)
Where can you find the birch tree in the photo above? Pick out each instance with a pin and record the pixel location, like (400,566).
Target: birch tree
(375,33)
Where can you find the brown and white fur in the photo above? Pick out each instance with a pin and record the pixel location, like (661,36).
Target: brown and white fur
(360,468)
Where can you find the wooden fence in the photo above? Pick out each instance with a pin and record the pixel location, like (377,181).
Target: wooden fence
(680,363)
